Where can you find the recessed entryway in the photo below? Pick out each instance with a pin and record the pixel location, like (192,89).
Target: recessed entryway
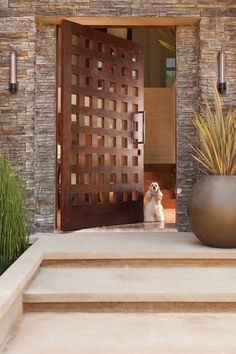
(152,141)
(160,112)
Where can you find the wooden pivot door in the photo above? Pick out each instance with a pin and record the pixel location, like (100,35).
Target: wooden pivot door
(101,129)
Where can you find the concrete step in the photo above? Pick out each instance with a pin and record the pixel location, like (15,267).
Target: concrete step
(163,284)
(168,193)
(168,200)
(169,203)
(120,293)
(124,333)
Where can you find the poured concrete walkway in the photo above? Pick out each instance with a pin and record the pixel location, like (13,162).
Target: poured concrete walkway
(180,296)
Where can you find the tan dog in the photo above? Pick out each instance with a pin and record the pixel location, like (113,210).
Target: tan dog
(153,209)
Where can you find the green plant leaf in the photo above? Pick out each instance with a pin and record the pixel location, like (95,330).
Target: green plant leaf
(167,45)
(216,132)
(13,239)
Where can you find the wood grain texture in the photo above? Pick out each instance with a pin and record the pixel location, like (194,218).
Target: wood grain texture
(101,160)
(126,21)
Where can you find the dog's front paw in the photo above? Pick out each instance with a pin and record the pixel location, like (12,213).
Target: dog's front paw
(160,217)
(149,217)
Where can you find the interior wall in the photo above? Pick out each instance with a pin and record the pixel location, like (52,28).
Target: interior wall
(159,101)
(159,105)
(154,55)
(118,32)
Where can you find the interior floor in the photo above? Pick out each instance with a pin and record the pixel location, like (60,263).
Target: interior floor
(168,225)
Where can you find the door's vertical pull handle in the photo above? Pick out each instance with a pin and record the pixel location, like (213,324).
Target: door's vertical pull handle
(143,127)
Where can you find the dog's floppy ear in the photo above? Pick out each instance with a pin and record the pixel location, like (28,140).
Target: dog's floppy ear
(148,195)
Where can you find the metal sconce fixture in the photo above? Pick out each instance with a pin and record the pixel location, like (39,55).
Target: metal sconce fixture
(222,83)
(13,86)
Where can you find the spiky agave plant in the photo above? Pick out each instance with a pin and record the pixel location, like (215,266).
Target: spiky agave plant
(13,239)
(216,131)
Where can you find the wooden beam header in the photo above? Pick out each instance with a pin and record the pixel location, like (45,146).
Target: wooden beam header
(134,21)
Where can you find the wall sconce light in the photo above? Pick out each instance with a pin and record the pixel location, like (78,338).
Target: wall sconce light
(13,86)
(222,83)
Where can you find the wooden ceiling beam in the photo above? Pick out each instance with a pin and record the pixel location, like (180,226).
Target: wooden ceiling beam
(134,21)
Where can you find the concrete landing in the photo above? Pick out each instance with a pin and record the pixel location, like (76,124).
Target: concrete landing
(122,292)
(122,333)
(110,245)
(133,284)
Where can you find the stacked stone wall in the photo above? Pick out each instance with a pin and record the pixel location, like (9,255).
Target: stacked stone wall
(45,127)
(17,111)
(217,34)
(28,119)
(187,91)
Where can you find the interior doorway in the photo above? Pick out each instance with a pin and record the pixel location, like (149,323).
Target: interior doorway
(159,45)
(159,104)
(160,112)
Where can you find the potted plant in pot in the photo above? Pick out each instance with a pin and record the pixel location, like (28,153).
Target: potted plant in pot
(212,202)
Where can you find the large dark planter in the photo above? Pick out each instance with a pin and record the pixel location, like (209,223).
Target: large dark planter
(212,211)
